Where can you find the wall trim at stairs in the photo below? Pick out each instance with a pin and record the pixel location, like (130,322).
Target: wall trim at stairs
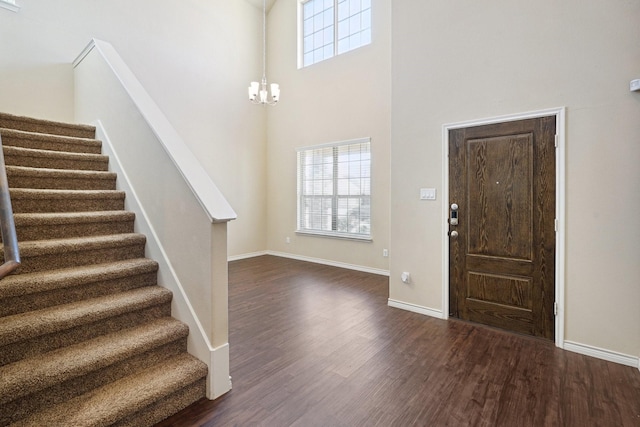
(601,353)
(219,366)
(106,89)
(198,344)
(204,189)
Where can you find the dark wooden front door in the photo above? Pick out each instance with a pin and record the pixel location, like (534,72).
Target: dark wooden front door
(502,260)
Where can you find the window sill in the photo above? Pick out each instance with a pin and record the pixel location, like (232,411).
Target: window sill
(334,236)
(9,6)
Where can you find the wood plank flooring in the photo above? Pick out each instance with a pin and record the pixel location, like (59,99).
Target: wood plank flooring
(314,345)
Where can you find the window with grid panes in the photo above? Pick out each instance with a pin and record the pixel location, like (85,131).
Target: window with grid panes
(334,189)
(332,27)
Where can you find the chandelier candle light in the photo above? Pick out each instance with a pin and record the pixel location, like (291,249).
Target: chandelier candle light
(261,88)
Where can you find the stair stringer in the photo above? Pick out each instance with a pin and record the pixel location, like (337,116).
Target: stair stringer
(198,342)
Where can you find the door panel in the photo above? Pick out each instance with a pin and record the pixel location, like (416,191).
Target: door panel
(506,290)
(502,177)
(499,175)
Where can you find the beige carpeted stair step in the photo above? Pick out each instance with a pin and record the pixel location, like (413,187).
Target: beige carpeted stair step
(141,399)
(39,200)
(60,179)
(20,293)
(40,141)
(18,156)
(54,254)
(48,379)
(36,332)
(29,124)
(86,337)
(58,225)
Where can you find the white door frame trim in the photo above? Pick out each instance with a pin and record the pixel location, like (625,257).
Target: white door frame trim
(559,113)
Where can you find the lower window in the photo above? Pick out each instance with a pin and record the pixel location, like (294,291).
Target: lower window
(334,189)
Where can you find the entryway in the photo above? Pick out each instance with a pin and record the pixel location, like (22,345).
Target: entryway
(502,224)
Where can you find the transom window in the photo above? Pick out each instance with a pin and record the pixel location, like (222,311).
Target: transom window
(334,189)
(332,27)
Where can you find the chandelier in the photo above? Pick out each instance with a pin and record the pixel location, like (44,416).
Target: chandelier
(258,93)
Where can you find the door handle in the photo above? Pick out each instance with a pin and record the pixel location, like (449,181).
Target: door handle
(454,233)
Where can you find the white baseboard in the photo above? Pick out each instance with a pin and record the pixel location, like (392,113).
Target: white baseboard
(247,255)
(600,353)
(311,259)
(416,308)
(219,380)
(331,263)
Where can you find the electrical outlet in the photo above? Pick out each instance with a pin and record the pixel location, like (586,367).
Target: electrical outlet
(287,240)
(385,253)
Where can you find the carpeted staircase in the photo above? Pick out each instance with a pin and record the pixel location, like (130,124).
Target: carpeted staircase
(86,335)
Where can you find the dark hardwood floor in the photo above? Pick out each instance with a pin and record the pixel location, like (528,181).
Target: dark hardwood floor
(313,345)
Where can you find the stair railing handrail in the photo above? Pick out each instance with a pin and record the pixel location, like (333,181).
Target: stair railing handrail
(7,224)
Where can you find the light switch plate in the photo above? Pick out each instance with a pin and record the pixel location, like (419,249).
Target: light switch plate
(427,194)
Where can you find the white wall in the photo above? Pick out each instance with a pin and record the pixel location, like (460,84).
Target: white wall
(32,68)
(194,58)
(466,60)
(342,98)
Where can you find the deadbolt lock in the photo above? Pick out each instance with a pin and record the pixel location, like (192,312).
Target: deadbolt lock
(453,214)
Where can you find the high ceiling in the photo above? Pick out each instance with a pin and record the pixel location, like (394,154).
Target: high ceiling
(258,3)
